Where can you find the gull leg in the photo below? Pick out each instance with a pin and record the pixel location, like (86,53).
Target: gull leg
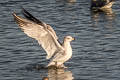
(51,64)
(56,64)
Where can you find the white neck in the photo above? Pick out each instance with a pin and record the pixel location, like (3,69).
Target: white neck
(68,50)
(67,47)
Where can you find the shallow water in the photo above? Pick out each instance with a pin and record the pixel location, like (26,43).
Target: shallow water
(96,50)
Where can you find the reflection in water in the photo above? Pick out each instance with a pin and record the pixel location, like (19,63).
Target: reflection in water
(108,11)
(109,14)
(59,74)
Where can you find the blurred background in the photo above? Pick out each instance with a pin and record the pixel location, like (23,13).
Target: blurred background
(96,50)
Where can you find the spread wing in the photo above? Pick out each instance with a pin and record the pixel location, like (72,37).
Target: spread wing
(42,33)
(32,18)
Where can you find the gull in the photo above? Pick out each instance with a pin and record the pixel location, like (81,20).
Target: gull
(102,4)
(47,38)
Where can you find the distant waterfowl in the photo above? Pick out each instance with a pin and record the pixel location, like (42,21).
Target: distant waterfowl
(71,1)
(101,4)
(47,38)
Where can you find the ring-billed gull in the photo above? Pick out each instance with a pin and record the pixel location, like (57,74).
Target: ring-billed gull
(47,38)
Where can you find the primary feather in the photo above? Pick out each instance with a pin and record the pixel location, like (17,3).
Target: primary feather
(41,34)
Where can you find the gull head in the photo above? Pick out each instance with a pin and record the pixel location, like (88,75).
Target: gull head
(68,39)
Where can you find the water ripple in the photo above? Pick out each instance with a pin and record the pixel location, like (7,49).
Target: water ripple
(95,50)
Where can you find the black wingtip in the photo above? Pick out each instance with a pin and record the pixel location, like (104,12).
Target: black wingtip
(31,17)
(14,14)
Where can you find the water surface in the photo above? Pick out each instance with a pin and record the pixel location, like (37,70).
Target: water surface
(96,50)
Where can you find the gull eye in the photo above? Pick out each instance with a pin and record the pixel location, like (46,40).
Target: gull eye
(68,38)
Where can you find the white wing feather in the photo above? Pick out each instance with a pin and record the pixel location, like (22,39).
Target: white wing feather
(45,36)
